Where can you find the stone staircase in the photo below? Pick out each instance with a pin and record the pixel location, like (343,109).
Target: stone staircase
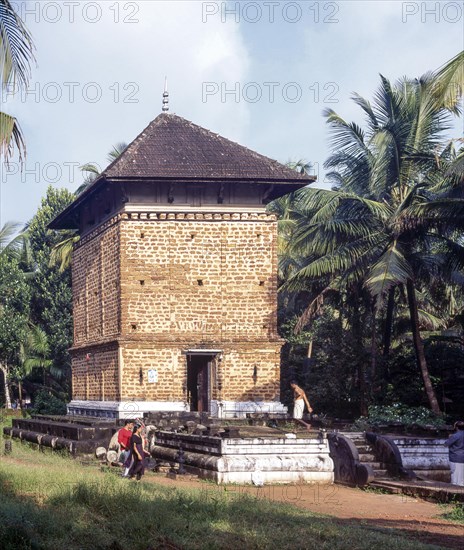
(406,481)
(356,463)
(366,455)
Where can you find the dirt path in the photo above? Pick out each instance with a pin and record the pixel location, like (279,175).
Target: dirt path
(412,517)
(409,516)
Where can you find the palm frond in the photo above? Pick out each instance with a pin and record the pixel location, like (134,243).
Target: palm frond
(385,103)
(16,47)
(441,213)
(314,307)
(317,200)
(429,321)
(32,363)
(343,135)
(301,166)
(390,270)
(61,253)
(91,172)
(116,151)
(15,244)
(367,108)
(352,256)
(456,167)
(7,232)
(11,137)
(449,84)
(35,350)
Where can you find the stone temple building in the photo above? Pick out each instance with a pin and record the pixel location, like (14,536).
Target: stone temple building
(175,277)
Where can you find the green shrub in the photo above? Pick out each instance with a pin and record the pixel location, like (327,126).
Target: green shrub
(46,403)
(400,413)
(454,512)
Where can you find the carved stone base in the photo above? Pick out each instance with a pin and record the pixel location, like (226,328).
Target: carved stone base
(127,409)
(248,460)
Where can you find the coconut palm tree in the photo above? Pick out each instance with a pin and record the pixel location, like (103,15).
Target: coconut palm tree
(394,214)
(16,55)
(10,240)
(449,83)
(91,171)
(61,253)
(35,353)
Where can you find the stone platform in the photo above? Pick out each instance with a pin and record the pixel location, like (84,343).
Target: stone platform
(77,435)
(269,458)
(225,454)
(427,457)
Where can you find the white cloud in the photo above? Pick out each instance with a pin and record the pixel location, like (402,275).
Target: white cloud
(328,59)
(124,64)
(371,37)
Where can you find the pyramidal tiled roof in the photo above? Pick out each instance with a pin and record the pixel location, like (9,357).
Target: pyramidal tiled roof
(172,147)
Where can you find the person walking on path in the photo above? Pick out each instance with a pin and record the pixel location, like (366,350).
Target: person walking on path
(299,401)
(124,437)
(455,444)
(138,453)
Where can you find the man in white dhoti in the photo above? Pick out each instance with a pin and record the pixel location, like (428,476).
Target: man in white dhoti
(299,401)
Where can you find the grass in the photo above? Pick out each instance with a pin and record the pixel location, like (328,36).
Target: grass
(454,512)
(376,490)
(51,502)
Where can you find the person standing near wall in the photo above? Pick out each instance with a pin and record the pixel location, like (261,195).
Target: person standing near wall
(455,444)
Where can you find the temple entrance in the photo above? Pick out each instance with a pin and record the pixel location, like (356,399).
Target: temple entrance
(199,381)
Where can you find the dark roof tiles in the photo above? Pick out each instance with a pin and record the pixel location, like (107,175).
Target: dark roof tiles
(173,147)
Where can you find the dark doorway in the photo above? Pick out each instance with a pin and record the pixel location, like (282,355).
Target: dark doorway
(199,382)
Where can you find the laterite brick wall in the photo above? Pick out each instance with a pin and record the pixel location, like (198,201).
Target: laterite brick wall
(96,287)
(95,375)
(215,281)
(154,285)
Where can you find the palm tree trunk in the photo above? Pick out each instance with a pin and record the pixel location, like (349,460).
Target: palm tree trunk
(310,349)
(388,322)
(373,375)
(4,369)
(419,348)
(357,332)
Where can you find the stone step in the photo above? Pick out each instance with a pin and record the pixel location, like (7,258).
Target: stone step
(357,438)
(365,453)
(369,459)
(380,473)
(359,444)
(439,491)
(374,464)
(364,449)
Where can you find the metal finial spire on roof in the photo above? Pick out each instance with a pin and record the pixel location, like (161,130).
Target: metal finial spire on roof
(165,96)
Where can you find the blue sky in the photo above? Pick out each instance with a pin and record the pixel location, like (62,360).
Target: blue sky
(259,73)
